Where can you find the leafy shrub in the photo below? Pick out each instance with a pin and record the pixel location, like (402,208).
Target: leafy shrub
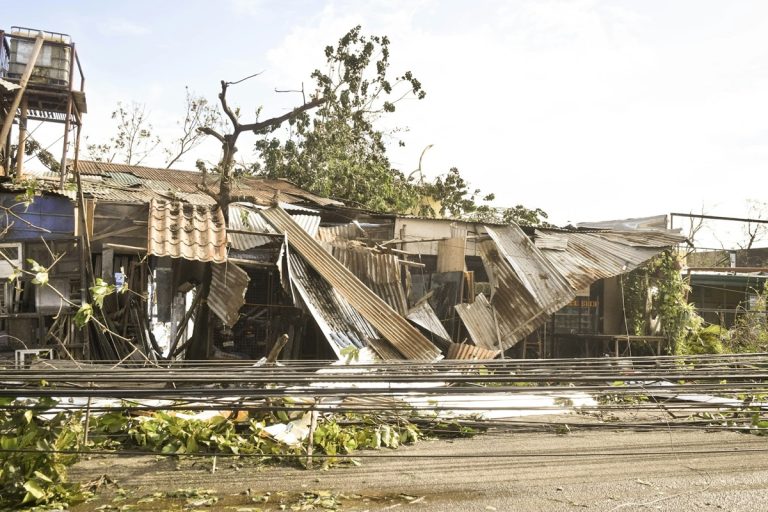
(750,331)
(32,438)
(702,340)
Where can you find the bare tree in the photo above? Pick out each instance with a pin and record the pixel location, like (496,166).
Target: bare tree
(199,113)
(229,140)
(133,141)
(754,231)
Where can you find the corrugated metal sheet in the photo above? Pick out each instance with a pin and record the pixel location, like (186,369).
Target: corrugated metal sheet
(424,316)
(247,217)
(122,179)
(405,337)
(531,282)
(181,230)
(336,318)
(654,223)
(309,223)
(552,240)
(518,313)
(478,318)
(593,256)
(107,190)
(470,352)
(379,272)
(351,231)
(228,286)
(262,191)
(244,218)
(642,239)
(550,289)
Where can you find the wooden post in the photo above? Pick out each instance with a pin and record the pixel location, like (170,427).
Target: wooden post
(87,418)
(311,436)
(67,121)
(22,139)
(20,93)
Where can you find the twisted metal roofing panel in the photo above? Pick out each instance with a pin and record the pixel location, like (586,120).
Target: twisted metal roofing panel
(341,325)
(424,316)
(589,257)
(228,286)
(517,311)
(539,276)
(379,272)
(244,218)
(397,330)
(479,320)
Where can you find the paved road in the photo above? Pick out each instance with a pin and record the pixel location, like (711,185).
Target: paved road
(593,470)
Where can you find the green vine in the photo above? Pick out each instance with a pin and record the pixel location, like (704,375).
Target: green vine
(655,294)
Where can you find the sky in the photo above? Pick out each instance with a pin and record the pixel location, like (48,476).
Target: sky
(588,109)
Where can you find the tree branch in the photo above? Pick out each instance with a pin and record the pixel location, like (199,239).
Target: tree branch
(223,99)
(210,131)
(275,121)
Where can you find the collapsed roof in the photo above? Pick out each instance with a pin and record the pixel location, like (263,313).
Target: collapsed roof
(359,290)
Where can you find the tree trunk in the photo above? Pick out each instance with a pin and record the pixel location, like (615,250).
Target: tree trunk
(226,168)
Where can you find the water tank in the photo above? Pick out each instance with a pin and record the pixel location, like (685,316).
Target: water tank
(53,63)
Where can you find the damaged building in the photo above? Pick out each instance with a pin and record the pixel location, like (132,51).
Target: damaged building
(338,282)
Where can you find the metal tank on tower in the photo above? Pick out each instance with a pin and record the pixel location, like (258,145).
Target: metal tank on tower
(41,79)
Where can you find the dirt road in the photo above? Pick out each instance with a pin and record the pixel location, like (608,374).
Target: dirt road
(594,470)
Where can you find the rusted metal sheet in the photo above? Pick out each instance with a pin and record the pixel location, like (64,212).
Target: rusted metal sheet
(192,232)
(590,256)
(517,311)
(479,319)
(262,191)
(527,287)
(396,329)
(424,316)
(550,240)
(653,223)
(379,272)
(339,322)
(532,281)
(470,352)
(535,271)
(228,286)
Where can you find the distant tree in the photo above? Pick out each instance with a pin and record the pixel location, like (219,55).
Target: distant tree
(133,140)
(524,216)
(451,196)
(199,112)
(754,231)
